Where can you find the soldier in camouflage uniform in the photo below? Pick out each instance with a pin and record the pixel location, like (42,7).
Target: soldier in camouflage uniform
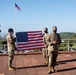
(54,42)
(45,50)
(11,48)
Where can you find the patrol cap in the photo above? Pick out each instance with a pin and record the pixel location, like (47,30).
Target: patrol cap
(10,30)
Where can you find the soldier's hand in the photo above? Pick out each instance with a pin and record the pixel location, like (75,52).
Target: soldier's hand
(54,42)
(46,46)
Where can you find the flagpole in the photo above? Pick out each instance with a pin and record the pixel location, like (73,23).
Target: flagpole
(15,6)
(14,18)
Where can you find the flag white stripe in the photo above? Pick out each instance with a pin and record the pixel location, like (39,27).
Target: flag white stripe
(38,41)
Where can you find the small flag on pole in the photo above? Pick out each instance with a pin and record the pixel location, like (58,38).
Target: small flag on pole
(16,6)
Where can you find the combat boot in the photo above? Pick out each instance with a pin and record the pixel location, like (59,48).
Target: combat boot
(11,68)
(46,62)
(49,71)
(53,70)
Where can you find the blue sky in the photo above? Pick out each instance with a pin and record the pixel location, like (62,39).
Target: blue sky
(38,14)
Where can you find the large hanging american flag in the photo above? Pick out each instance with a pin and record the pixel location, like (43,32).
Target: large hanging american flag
(29,40)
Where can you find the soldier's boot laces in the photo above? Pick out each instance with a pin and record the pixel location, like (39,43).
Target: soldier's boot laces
(11,68)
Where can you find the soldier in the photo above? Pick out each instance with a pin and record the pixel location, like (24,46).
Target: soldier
(11,48)
(54,42)
(45,50)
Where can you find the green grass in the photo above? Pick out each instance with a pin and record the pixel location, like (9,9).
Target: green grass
(74,46)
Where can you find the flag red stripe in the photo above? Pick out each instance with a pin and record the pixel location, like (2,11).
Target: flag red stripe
(31,48)
(30,42)
(22,45)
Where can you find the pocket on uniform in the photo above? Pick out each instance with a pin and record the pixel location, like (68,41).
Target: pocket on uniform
(50,48)
(11,52)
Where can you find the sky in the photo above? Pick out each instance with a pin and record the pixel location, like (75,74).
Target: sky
(38,14)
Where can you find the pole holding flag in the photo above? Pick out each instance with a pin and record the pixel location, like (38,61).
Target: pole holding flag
(15,6)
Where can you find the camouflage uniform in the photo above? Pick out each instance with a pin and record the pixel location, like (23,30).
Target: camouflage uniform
(11,48)
(45,50)
(53,49)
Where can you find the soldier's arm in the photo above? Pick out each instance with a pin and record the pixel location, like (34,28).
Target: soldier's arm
(44,41)
(57,40)
(45,44)
(8,38)
(14,40)
(49,40)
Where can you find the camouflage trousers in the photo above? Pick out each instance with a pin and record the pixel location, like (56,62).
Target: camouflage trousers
(52,55)
(52,58)
(45,53)
(10,57)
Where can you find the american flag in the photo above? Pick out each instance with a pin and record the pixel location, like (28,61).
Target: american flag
(16,6)
(29,40)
